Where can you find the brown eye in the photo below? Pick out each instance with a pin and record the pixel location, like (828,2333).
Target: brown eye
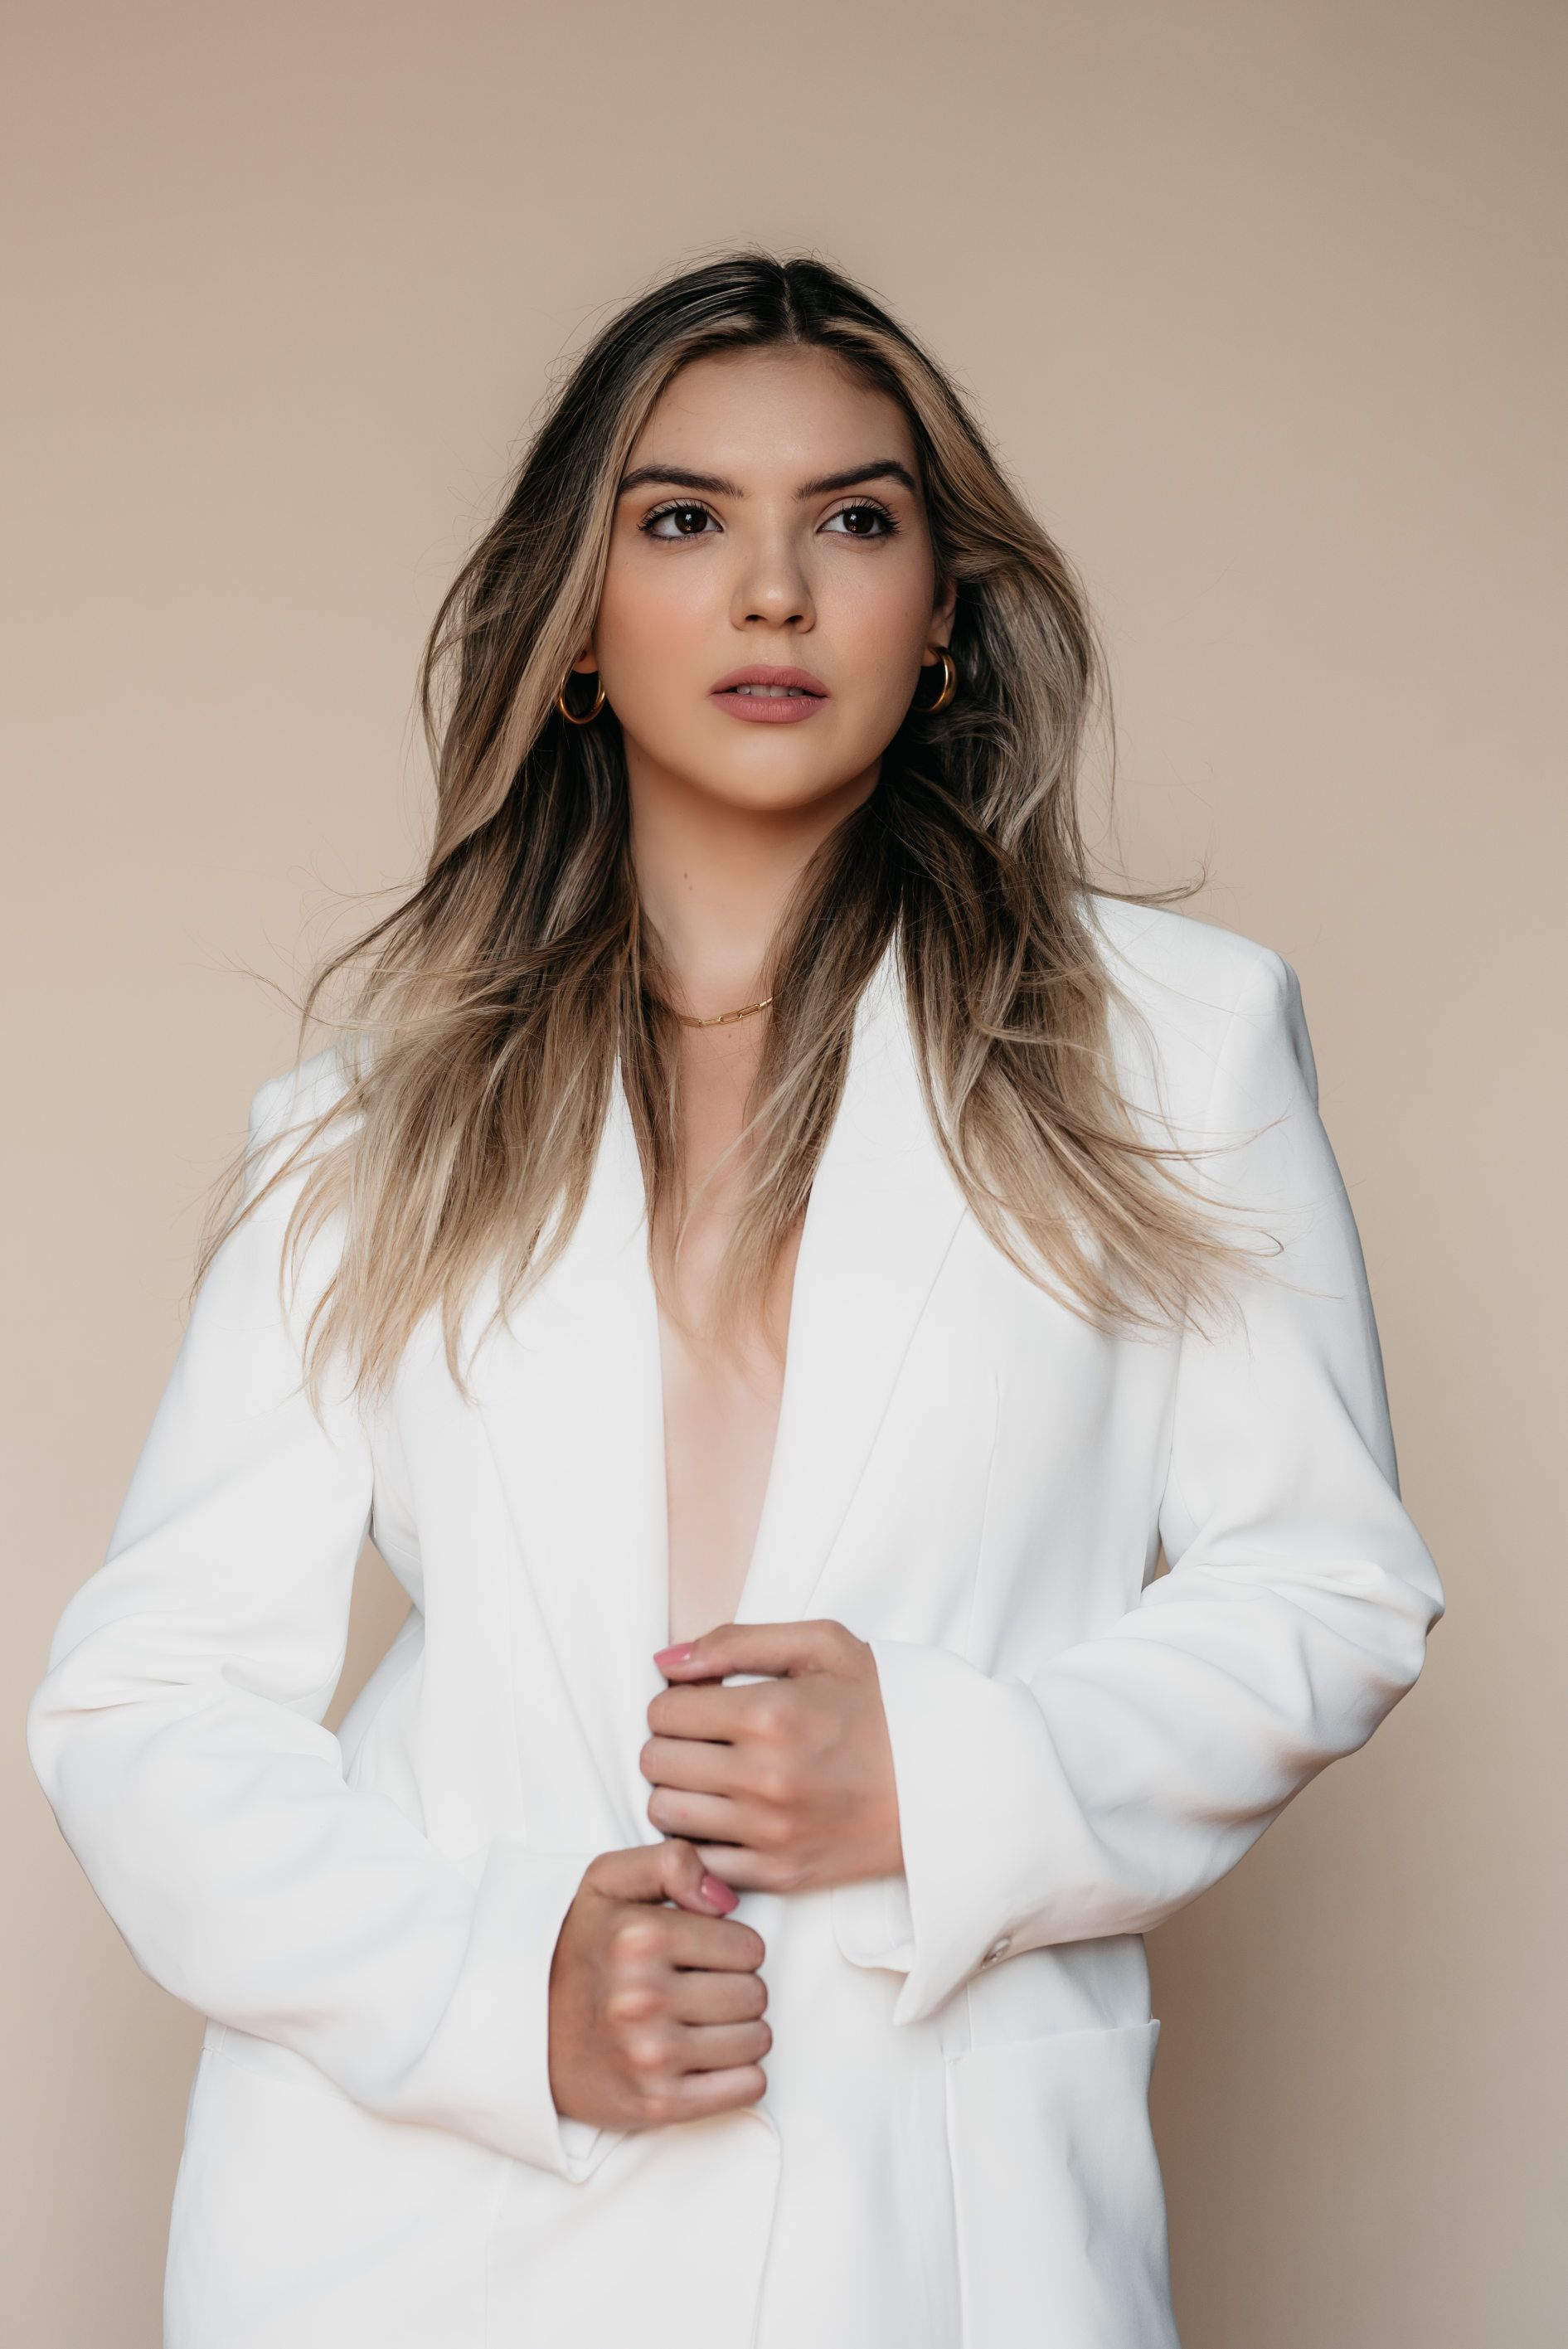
(866,519)
(689,519)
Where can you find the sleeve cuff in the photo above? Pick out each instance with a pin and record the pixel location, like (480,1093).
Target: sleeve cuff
(973,1768)
(872,1923)
(486,2072)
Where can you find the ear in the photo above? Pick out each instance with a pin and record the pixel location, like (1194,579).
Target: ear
(942,611)
(587,660)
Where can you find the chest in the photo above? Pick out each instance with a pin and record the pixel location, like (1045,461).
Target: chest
(722,1377)
(937,1452)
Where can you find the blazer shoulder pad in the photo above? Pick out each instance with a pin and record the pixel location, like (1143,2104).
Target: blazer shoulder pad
(294,1098)
(1179,983)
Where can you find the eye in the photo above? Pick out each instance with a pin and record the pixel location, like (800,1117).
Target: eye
(865,519)
(685,514)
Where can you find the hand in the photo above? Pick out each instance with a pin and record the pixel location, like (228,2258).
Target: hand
(655,2014)
(784,1784)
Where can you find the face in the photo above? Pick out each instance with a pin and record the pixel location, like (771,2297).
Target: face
(770,521)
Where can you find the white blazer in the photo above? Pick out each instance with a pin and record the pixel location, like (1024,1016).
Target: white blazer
(954,2147)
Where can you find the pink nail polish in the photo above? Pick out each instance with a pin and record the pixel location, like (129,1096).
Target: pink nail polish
(679,1655)
(722,1896)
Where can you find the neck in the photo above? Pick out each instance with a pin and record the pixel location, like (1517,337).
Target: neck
(714,878)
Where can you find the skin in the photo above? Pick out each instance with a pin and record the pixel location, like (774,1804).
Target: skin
(786,1783)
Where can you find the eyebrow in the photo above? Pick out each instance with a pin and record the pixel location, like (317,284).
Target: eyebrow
(881,469)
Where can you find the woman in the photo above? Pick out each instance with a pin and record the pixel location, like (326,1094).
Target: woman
(774,1258)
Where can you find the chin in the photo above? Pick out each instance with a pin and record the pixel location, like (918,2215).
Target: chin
(771,794)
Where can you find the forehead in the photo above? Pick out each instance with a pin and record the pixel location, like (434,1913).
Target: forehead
(773,412)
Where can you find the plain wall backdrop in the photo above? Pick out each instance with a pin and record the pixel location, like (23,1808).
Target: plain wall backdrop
(1257,301)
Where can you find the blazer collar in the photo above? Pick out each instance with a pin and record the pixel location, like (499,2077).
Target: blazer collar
(571,1393)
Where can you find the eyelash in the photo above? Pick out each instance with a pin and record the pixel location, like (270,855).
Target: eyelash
(696,505)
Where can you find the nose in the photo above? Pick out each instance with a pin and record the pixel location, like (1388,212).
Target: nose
(772,588)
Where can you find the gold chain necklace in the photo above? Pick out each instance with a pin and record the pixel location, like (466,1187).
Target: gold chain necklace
(723,1018)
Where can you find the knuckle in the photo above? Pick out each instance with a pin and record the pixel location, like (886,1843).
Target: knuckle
(644,2051)
(634,1940)
(682,1866)
(653,2106)
(632,2001)
(775,1781)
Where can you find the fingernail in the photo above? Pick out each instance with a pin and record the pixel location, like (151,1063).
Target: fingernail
(681,1654)
(722,1896)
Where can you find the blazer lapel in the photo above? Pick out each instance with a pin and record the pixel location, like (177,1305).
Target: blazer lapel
(883,1212)
(572,1401)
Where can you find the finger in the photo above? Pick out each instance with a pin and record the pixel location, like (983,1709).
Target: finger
(716,1716)
(694,2095)
(748,1870)
(697,1997)
(713,1945)
(695,1765)
(780,1648)
(714,1818)
(670,1870)
(715,2046)
(703,1710)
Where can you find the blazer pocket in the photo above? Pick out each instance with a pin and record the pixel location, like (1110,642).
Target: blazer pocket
(1057,2191)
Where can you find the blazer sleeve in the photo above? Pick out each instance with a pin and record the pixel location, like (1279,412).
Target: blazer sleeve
(1099,1792)
(178,1735)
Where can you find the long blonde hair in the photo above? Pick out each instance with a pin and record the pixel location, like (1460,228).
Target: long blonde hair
(488,1009)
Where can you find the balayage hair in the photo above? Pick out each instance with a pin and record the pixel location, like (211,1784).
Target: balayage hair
(488,1011)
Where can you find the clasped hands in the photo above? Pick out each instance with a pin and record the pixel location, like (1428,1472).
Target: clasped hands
(784,1783)
(656,2003)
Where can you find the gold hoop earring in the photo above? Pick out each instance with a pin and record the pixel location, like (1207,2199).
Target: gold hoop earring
(949,684)
(588,715)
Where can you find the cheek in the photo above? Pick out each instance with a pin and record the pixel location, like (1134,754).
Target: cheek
(879,627)
(650,620)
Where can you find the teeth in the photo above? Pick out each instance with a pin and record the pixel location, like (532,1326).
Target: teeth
(770,692)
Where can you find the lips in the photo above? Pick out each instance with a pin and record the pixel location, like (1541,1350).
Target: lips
(774,695)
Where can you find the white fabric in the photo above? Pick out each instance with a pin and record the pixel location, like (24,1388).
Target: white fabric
(954,2147)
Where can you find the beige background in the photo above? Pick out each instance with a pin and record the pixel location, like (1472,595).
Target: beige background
(1256,300)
